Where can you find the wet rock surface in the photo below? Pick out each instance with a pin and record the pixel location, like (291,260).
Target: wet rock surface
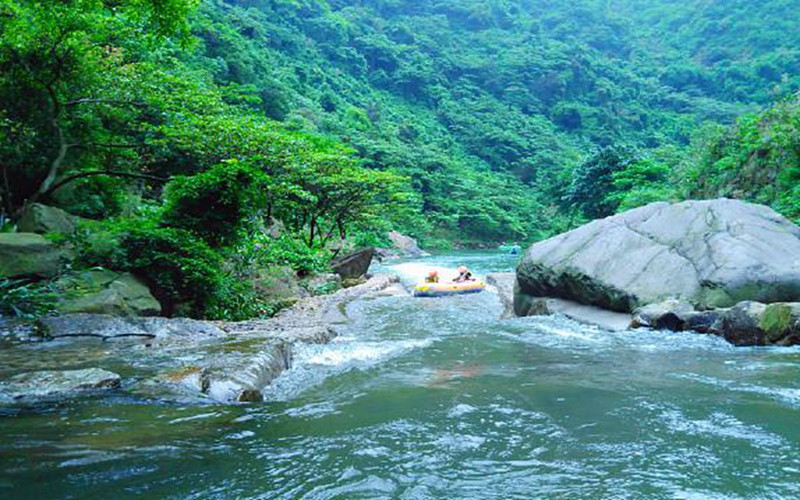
(504,284)
(544,306)
(51,384)
(183,358)
(755,324)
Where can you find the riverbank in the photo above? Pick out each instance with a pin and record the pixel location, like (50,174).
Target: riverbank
(172,358)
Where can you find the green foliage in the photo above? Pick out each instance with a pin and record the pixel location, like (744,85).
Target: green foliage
(26,299)
(595,179)
(216,205)
(757,160)
(456,121)
(290,251)
(184,273)
(643,181)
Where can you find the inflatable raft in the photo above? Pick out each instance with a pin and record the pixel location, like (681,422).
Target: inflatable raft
(510,249)
(448,288)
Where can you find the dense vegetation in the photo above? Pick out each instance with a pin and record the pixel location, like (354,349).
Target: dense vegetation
(457,121)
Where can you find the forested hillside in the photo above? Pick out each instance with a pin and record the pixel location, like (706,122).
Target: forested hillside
(490,105)
(185,131)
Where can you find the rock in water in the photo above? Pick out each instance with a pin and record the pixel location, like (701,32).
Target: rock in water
(29,254)
(752,323)
(355,265)
(707,253)
(38,218)
(48,384)
(504,283)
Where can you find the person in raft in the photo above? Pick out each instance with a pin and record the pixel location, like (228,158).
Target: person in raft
(433,277)
(463,275)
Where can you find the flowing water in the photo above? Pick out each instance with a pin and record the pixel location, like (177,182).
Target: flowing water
(439,398)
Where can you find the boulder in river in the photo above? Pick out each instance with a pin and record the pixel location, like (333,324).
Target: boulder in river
(38,218)
(402,246)
(49,384)
(504,283)
(354,265)
(29,254)
(107,292)
(709,254)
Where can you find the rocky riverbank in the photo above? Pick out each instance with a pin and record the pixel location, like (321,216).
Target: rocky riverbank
(720,266)
(61,356)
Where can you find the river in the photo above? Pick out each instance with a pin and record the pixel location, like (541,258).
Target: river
(440,398)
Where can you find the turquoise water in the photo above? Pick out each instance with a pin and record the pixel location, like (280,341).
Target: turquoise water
(439,398)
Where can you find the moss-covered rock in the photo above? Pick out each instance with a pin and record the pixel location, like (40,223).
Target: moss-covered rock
(753,323)
(30,254)
(107,292)
(38,218)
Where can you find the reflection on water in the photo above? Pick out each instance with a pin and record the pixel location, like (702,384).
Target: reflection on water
(438,398)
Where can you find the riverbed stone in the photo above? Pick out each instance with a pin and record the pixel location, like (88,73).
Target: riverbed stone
(755,324)
(671,314)
(38,218)
(710,254)
(102,291)
(48,384)
(30,255)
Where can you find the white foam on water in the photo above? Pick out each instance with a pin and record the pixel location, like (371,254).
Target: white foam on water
(313,363)
(355,352)
(460,410)
(460,442)
(720,425)
(788,395)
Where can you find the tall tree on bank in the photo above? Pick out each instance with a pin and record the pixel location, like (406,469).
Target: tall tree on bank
(70,88)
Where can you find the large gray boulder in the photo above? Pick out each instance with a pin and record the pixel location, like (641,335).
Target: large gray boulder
(29,254)
(101,291)
(38,218)
(708,253)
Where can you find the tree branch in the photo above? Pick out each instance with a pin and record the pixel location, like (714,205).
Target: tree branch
(118,102)
(92,173)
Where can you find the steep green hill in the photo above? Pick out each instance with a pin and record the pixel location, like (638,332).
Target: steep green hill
(490,105)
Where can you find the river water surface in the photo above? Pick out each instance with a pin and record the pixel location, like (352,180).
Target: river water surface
(440,398)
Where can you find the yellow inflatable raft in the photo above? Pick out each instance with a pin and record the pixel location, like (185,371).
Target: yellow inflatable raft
(448,288)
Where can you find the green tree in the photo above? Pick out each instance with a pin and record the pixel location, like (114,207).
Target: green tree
(593,181)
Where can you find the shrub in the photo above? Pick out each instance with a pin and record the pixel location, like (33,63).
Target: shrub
(26,299)
(183,272)
(217,204)
(293,252)
(181,268)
